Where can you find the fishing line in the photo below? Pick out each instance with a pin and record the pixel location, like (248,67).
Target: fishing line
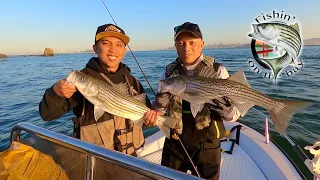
(194,167)
(150,87)
(131,52)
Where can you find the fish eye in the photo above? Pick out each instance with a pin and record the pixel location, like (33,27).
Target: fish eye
(264,26)
(82,78)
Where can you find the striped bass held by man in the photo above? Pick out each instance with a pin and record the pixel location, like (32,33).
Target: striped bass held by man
(111,99)
(199,90)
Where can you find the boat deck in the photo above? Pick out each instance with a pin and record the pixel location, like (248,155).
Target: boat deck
(237,165)
(252,159)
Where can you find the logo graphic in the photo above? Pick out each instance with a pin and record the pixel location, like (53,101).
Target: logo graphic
(276,43)
(112,28)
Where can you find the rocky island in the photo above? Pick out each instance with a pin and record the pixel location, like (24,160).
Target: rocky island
(3,56)
(48,52)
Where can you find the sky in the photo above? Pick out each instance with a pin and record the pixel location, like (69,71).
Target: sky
(27,27)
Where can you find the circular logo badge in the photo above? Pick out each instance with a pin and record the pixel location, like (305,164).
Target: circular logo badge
(263,51)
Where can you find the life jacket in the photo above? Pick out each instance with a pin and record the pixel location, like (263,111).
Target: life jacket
(206,119)
(109,131)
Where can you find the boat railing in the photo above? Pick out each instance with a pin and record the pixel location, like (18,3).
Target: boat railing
(94,152)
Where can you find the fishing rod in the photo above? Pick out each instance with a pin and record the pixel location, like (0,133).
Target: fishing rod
(176,136)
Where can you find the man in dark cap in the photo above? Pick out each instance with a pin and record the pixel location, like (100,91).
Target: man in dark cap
(200,135)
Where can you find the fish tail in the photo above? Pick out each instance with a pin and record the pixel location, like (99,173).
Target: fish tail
(282,112)
(164,123)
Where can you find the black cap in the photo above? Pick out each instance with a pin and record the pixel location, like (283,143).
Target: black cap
(187,27)
(111,30)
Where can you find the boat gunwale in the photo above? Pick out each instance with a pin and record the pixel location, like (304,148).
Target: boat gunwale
(137,165)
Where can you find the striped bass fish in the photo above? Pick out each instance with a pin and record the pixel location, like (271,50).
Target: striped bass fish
(202,89)
(279,35)
(107,98)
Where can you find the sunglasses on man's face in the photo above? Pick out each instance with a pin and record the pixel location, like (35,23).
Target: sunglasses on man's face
(190,27)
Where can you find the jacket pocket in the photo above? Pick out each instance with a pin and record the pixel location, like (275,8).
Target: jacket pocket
(101,134)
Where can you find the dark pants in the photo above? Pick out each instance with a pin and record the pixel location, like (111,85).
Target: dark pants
(205,157)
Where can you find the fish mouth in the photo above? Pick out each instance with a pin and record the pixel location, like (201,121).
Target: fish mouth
(160,86)
(255,31)
(71,77)
(255,28)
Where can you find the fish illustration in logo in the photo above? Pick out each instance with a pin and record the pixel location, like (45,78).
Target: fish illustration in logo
(283,36)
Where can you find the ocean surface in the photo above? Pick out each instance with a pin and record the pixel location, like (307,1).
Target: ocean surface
(23,81)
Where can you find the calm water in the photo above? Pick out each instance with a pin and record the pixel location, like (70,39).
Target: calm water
(23,81)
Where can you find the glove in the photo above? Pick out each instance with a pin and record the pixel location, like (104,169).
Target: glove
(223,109)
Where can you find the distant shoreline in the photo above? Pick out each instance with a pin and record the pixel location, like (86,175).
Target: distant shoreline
(169,49)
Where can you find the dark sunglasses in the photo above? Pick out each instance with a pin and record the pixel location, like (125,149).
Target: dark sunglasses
(190,27)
